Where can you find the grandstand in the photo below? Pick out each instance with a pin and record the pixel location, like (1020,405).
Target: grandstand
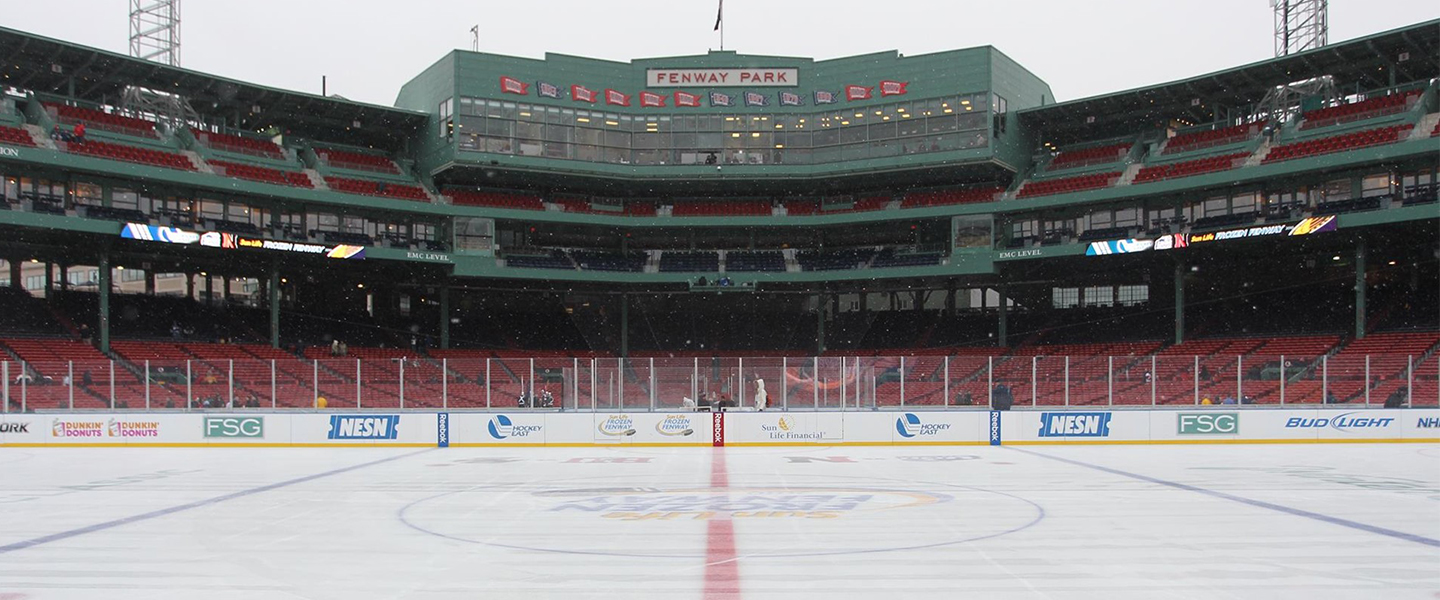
(917,246)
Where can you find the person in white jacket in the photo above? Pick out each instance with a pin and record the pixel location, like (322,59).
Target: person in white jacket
(760,396)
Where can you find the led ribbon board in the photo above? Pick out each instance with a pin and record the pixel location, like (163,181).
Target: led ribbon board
(232,241)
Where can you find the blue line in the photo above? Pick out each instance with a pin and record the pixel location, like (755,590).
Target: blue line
(1409,537)
(55,537)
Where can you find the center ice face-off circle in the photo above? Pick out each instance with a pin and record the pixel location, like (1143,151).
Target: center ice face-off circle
(774,520)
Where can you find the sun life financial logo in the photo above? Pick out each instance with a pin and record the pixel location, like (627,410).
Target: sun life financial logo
(501,427)
(786,429)
(675,425)
(1342,422)
(1207,423)
(1066,424)
(909,425)
(617,426)
(366,427)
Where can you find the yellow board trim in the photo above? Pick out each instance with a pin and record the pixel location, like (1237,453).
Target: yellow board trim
(214,445)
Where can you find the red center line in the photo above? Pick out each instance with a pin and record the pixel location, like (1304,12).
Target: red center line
(722,571)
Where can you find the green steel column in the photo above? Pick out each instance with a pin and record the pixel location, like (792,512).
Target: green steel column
(819,324)
(624,325)
(274,303)
(64,277)
(49,278)
(1179,303)
(104,325)
(444,317)
(16,281)
(1004,334)
(1360,252)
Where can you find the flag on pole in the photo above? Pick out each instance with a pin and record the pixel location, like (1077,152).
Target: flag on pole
(719,15)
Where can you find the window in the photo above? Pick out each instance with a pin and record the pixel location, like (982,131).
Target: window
(1066,297)
(447,124)
(1133,295)
(1099,296)
(1375,185)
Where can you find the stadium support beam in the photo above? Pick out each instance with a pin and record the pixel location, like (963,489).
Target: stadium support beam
(49,278)
(64,277)
(15,279)
(273,302)
(1179,303)
(104,312)
(624,325)
(1002,336)
(1360,252)
(444,317)
(820,321)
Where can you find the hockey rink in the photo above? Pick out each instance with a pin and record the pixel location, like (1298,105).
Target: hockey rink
(1313,521)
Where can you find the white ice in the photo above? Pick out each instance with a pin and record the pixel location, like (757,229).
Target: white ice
(836,523)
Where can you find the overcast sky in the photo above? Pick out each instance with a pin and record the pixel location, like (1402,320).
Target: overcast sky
(370,48)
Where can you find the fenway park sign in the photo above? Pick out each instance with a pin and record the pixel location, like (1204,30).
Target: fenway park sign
(722,77)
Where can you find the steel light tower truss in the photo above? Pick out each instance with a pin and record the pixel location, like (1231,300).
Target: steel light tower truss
(1300,25)
(155,30)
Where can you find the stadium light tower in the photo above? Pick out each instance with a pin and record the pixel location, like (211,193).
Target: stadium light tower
(1300,25)
(155,30)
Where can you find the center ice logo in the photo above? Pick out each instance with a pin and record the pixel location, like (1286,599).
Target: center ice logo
(617,426)
(501,427)
(1075,424)
(700,504)
(675,425)
(909,425)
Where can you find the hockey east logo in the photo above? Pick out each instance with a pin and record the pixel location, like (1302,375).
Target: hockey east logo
(1080,424)
(502,427)
(909,425)
(367,427)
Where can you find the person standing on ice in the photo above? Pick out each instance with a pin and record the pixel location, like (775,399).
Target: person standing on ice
(760,396)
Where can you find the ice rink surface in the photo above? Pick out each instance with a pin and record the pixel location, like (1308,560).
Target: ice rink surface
(1309,521)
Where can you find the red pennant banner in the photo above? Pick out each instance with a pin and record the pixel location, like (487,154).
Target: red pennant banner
(686,99)
(892,88)
(616,98)
(651,99)
(511,85)
(857,92)
(583,94)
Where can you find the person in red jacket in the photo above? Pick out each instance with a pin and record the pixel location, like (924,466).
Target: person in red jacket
(80,132)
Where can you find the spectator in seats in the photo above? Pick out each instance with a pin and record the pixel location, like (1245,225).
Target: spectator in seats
(170,403)
(23,377)
(210,378)
(1247,399)
(86,380)
(1147,377)
(334,347)
(1206,401)
(964,399)
(85,333)
(80,132)
(344,349)
(1204,373)
(1003,399)
(711,159)
(65,381)
(1227,400)
(1330,398)
(1398,398)
(175,330)
(55,134)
